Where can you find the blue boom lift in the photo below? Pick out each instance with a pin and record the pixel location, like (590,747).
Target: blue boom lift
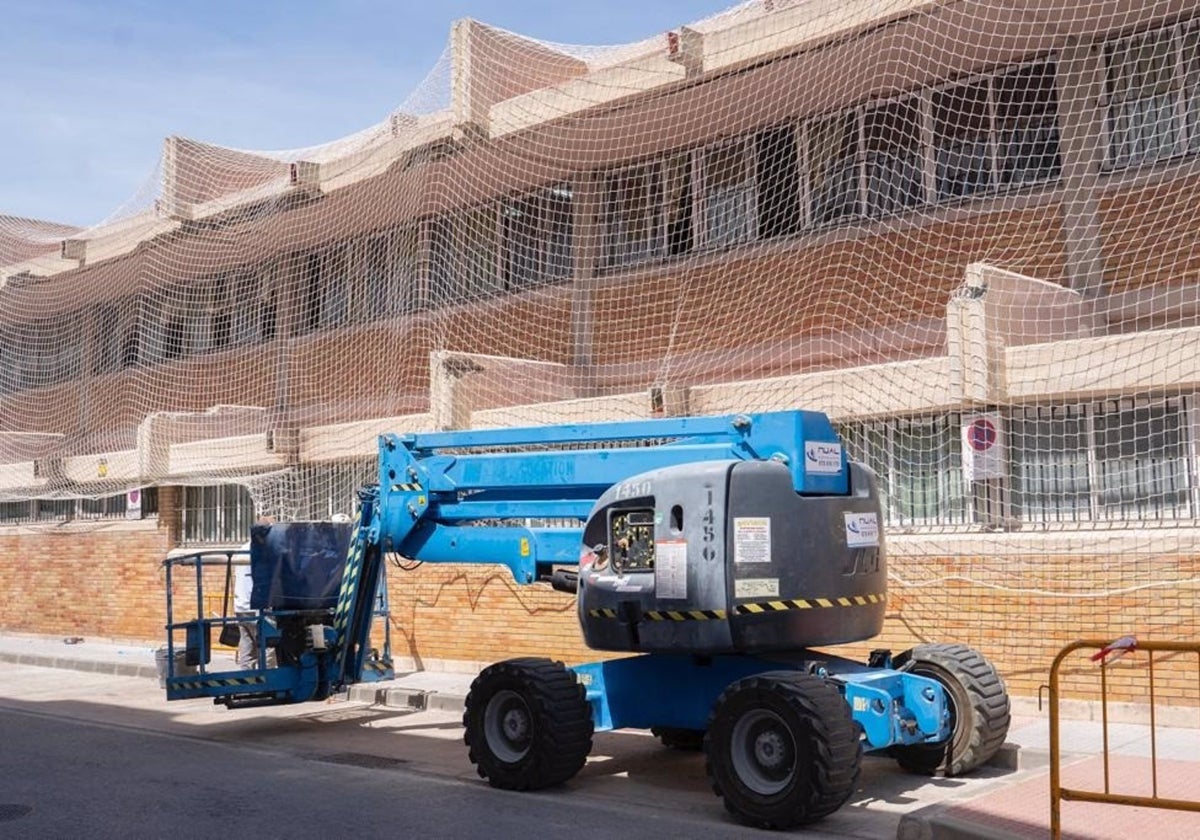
(716,551)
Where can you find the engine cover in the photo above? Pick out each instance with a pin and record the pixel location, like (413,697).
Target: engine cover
(725,557)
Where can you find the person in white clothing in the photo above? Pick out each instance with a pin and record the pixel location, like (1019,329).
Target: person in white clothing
(243,586)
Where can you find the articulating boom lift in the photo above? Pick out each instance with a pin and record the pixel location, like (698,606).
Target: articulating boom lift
(717,551)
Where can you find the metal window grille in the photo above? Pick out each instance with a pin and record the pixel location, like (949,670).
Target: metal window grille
(65,510)
(221,514)
(1144,84)
(918,461)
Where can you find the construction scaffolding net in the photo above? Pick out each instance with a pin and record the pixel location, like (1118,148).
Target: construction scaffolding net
(965,230)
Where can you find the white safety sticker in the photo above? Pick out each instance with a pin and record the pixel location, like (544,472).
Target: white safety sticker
(751,539)
(822,458)
(670,569)
(862,529)
(756,588)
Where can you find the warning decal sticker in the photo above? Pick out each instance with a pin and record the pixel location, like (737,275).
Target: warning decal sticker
(751,539)
(670,569)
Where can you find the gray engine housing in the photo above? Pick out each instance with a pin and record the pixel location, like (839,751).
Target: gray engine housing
(725,557)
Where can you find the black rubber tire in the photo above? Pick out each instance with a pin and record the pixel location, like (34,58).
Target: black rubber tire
(691,740)
(782,749)
(528,724)
(979,710)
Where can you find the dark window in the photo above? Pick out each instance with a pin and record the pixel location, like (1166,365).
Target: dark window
(1191,93)
(173,336)
(54,508)
(728,195)
(537,234)
(962,129)
(1049,453)
(1142,460)
(778,175)
(222,316)
(107,353)
(632,217)
(1143,82)
(678,203)
(268,315)
(833,168)
(443,276)
(1027,125)
(894,159)
(130,347)
(14,512)
(335,291)
(311,293)
(389,273)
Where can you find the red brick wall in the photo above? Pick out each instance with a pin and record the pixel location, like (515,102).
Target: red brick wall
(479,614)
(99,584)
(108,584)
(1149,235)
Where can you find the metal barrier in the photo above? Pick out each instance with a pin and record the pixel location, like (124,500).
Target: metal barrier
(1104,649)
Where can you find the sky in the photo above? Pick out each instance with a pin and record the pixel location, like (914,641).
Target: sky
(91,87)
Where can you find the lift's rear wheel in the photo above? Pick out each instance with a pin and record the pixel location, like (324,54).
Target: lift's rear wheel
(782,749)
(979,709)
(679,739)
(527,724)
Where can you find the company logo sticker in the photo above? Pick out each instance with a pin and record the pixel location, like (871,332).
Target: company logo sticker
(862,529)
(822,458)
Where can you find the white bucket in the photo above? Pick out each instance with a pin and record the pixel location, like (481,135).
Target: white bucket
(182,669)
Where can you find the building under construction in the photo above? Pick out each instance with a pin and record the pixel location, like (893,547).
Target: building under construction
(965,230)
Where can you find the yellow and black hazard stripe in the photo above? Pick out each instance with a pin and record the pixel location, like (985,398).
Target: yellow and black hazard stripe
(760,607)
(354,562)
(685,615)
(407,487)
(757,608)
(215,683)
(379,665)
(667,615)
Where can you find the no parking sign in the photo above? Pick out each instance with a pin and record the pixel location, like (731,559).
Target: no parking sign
(983,451)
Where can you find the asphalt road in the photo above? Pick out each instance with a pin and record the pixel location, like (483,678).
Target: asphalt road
(86,755)
(70,779)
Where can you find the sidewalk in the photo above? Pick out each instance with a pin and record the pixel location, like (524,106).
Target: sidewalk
(1013,804)
(419,689)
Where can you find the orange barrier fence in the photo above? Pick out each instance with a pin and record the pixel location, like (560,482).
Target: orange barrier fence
(1106,652)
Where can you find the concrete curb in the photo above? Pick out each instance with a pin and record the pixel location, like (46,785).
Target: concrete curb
(392,696)
(938,826)
(93,666)
(407,698)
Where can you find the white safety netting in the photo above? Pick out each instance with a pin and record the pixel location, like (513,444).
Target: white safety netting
(965,230)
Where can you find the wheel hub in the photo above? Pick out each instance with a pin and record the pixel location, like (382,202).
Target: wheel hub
(508,726)
(763,752)
(769,749)
(516,725)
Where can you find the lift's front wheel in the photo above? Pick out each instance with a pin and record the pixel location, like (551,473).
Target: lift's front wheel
(782,749)
(528,725)
(979,709)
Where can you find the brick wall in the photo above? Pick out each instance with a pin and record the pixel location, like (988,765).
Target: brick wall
(102,582)
(107,583)
(479,614)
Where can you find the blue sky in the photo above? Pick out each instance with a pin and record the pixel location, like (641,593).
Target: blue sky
(91,88)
